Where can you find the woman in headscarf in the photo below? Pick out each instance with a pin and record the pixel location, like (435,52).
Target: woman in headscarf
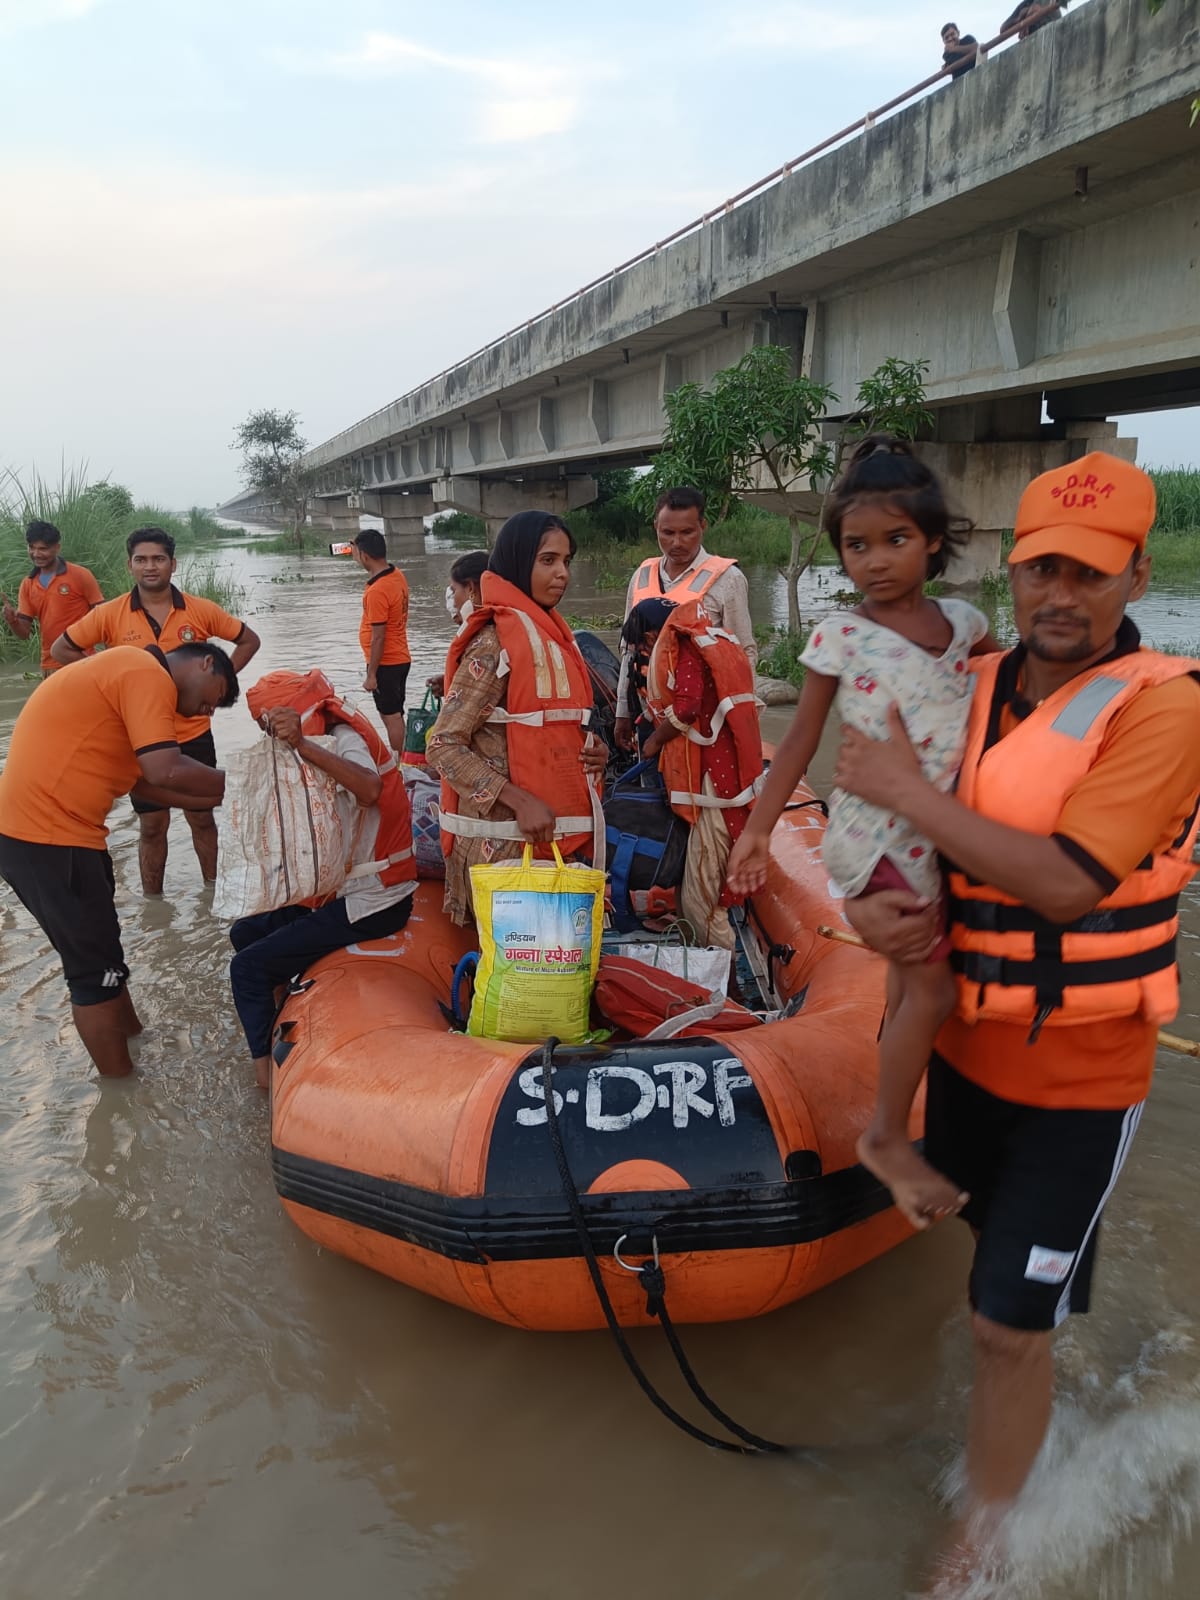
(642,628)
(511,743)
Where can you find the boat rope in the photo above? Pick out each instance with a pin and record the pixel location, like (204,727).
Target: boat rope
(653,1281)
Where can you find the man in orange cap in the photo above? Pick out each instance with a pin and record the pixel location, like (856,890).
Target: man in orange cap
(1069,838)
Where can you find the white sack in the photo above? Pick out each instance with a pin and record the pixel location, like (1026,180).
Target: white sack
(705,966)
(281,836)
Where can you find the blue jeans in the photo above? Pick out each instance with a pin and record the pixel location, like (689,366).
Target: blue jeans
(275,947)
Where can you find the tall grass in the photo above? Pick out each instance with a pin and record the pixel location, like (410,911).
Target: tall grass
(1178,491)
(94,528)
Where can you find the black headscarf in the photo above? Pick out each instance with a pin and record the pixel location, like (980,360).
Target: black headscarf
(517,544)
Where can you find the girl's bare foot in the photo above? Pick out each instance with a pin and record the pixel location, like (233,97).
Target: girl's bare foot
(922,1194)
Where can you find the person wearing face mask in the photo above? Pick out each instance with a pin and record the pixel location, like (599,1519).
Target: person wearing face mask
(511,743)
(462,596)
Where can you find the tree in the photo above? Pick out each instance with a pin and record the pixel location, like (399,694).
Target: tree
(759,427)
(113,498)
(272,462)
(756,426)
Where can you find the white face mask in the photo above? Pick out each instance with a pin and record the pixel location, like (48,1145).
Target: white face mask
(466,609)
(450,605)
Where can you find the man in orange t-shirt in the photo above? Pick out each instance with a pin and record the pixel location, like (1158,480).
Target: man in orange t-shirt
(55,594)
(156,612)
(383,633)
(82,739)
(1070,838)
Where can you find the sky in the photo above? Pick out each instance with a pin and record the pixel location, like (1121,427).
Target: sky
(212,206)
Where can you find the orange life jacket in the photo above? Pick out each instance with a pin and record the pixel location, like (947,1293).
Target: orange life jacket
(1014,965)
(679,762)
(547,707)
(647,580)
(314,698)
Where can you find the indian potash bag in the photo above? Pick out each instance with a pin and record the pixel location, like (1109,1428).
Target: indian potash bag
(282,839)
(540,924)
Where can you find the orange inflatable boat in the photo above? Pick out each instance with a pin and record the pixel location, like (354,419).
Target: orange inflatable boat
(426,1154)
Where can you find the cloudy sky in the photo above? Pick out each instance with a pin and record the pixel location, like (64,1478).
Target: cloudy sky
(213,205)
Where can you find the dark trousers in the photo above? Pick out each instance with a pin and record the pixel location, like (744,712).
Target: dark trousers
(275,947)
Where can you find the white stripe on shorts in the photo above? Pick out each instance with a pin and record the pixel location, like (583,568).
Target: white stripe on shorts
(1129,1127)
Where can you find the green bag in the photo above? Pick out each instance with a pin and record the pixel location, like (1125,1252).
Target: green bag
(416,727)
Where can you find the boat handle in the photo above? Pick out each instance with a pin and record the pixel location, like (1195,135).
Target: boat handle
(620,1260)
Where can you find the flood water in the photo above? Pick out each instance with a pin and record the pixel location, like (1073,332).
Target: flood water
(197,1402)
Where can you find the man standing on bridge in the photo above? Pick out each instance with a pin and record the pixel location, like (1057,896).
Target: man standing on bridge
(960,51)
(1070,836)
(684,572)
(156,612)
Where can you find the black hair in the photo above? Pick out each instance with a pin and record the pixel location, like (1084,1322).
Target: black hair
(42,533)
(946,26)
(150,535)
(222,666)
(372,543)
(648,616)
(514,555)
(685,498)
(469,568)
(885,468)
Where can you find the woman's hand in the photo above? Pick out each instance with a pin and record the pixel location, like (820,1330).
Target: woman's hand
(747,870)
(533,816)
(282,723)
(897,923)
(438,685)
(878,770)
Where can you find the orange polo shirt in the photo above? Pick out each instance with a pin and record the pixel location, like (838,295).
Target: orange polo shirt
(70,594)
(75,746)
(385,600)
(1133,802)
(191,621)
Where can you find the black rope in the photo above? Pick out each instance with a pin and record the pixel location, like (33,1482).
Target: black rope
(653,1281)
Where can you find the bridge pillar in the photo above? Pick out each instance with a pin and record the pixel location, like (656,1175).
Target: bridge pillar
(497,499)
(403,519)
(985,473)
(344,524)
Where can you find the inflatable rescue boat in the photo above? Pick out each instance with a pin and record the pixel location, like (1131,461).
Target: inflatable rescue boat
(430,1156)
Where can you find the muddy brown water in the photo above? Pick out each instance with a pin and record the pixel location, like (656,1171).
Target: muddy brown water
(196,1401)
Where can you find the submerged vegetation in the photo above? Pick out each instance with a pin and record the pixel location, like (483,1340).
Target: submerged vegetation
(95,519)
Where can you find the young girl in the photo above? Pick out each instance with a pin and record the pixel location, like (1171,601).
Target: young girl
(888,521)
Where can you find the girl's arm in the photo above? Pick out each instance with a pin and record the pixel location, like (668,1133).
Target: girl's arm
(794,754)
(747,869)
(987,646)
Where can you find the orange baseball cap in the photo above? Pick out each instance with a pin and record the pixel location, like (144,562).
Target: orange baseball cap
(1097,511)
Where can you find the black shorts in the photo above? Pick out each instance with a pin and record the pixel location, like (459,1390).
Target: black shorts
(69,890)
(1038,1180)
(201,748)
(389,695)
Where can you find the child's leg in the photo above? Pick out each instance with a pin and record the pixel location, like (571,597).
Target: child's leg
(920,999)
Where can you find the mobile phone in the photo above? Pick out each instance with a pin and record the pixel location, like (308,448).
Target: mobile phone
(341,549)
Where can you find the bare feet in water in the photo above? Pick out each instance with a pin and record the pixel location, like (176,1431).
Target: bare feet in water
(921,1193)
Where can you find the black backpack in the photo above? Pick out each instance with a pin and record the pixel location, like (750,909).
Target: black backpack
(647,844)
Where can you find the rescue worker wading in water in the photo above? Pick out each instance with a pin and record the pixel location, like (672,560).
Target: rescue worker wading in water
(1070,836)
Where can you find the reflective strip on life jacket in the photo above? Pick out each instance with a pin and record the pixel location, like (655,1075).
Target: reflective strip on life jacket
(1118,960)
(724,707)
(367,869)
(715,802)
(692,586)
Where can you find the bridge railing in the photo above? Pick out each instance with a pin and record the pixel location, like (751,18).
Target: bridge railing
(862,125)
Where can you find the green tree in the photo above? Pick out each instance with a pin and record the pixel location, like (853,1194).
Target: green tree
(273,462)
(114,499)
(756,427)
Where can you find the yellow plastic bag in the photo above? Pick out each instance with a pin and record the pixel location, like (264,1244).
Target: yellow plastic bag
(540,924)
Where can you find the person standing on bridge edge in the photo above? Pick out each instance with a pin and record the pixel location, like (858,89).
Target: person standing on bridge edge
(156,612)
(383,633)
(55,594)
(685,571)
(1070,837)
(1029,9)
(960,51)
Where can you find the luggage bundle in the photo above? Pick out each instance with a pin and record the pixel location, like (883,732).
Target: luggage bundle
(647,846)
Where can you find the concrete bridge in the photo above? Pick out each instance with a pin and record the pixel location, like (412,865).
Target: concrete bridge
(1032,230)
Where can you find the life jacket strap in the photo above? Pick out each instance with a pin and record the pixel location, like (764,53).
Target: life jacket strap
(723,708)
(989,916)
(539,719)
(1047,975)
(716,802)
(367,869)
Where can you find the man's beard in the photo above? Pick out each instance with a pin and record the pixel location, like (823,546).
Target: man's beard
(1065,652)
